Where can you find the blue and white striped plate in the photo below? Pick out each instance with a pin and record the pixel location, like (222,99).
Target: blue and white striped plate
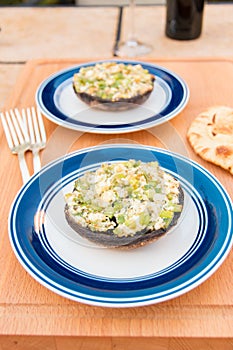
(67,264)
(58,102)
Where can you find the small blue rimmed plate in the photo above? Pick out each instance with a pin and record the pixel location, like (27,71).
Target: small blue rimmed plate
(58,102)
(67,264)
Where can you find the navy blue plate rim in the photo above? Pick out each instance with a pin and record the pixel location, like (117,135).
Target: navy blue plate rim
(209,256)
(47,89)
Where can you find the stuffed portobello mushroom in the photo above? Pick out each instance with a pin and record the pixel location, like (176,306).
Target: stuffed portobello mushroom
(124,204)
(113,86)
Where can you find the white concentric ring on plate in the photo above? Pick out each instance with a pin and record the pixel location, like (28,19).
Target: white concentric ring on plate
(77,254)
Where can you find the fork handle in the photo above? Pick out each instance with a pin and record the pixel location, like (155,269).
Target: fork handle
(23,167)
(36,161)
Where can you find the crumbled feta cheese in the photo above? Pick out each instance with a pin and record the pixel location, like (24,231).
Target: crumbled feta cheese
(113,81)
(125,197)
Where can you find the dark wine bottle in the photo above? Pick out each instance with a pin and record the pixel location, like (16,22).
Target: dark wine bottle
(184,19)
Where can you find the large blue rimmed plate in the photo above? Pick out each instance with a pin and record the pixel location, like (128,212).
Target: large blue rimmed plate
(58,102)
(65,263)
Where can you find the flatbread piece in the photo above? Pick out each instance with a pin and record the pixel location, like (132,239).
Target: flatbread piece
(211,136)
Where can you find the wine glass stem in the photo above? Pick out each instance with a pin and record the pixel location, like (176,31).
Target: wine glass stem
(131,36)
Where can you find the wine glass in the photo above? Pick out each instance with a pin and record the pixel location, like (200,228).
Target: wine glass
(132,47)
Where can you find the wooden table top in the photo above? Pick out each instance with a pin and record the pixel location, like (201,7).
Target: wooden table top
(32,316)
(28,308)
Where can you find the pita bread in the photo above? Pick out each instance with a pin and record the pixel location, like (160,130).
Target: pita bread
(211,136)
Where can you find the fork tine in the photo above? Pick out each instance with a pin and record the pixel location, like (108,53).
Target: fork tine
(36,127)
(12,129)
(37,135)
(17,126)
(22,123)
(30,125)
(7,131)
(24,117)
(41,124)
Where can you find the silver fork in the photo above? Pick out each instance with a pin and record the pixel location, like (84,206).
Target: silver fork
(33,119)
(17,138)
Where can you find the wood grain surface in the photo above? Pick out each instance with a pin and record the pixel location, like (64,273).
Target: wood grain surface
(31,314)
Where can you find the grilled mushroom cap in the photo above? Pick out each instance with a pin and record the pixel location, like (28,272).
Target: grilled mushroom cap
(107,105)
(110,240)
(113,86)
(152,217)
